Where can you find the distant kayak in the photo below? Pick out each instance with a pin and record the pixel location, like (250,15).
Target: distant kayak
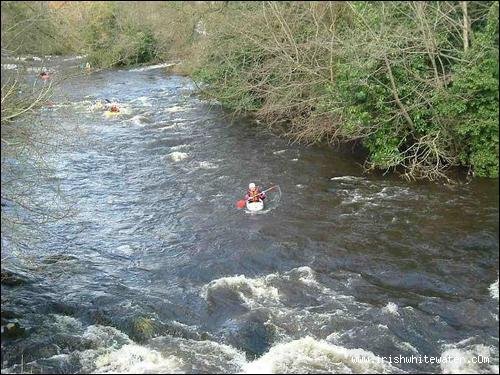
(255,206)
(111,114)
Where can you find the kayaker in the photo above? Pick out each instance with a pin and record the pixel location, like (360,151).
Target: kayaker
(254,194)
(111,107)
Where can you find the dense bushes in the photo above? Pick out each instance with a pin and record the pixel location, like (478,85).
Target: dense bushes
(30,28)
(413,81)
(109,33)
(112,39)
(472,102)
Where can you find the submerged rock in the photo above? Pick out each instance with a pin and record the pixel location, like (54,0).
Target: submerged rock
(143,328)
(13,330)
(7,314)
(12,279)
(250,333)
(58,258)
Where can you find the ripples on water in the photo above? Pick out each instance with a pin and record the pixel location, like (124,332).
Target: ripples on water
(158,272)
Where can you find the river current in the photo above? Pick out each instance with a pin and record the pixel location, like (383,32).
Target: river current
(156,270)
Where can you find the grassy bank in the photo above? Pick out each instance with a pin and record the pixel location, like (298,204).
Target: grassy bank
(415,83)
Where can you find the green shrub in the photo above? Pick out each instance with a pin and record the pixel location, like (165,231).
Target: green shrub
(374,72)
(471,104)
(116,41)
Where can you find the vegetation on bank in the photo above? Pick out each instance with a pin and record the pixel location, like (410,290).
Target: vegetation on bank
(415,83)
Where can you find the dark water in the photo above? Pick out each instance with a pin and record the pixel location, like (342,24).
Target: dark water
(159,272)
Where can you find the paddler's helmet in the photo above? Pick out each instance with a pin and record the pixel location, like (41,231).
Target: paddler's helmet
(251,186)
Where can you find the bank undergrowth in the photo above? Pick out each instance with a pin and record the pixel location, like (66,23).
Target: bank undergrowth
(411,81)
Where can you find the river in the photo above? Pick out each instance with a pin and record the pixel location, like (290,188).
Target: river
(158,271)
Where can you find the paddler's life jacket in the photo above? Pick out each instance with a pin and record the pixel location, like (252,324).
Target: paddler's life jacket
(254,196)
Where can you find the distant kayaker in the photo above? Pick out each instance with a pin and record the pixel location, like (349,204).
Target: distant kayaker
(254,194)
(111,107)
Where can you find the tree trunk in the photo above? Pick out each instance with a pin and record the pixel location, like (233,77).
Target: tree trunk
(396,95)
(465,26)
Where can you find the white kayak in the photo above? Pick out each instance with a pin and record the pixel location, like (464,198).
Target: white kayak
(255,206)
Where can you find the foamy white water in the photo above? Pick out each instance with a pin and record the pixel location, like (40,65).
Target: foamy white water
(136,359)
(494,290)
(151,67)
(251,291)
(139,120)
(178,156)
(471,359)
(207,165)
(176,108)
(308,355)
(391,308)
(346,178)
(65,322)
(9,66)
(78,57)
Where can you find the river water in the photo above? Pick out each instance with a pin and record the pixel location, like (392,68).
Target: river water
(157,271)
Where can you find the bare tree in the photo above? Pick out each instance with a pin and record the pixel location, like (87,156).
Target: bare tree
(466,25)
